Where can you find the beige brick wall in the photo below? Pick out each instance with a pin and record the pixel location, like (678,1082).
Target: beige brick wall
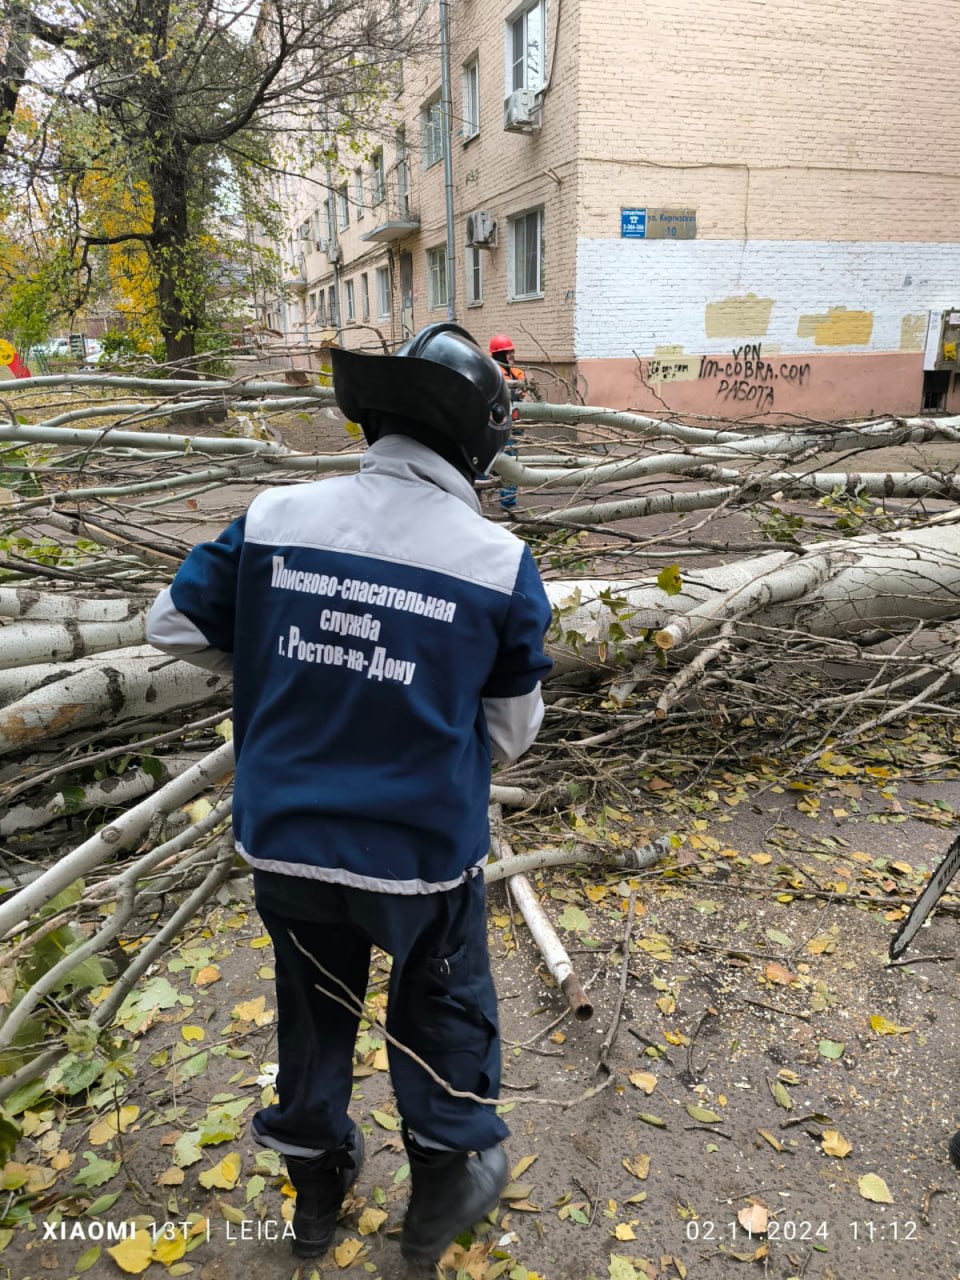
(502,173)
(799,120)
(817,143)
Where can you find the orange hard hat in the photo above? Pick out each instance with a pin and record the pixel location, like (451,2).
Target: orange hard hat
(500,342)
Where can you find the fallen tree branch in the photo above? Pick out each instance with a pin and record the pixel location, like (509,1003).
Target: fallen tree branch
(542,931)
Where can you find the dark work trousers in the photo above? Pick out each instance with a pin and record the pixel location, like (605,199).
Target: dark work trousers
(441,1003)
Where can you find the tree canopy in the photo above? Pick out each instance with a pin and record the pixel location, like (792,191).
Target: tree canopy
(131,136)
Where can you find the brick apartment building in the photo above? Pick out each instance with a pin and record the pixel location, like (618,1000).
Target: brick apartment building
(741,209)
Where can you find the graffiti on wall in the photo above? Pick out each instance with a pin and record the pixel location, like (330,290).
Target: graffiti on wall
(747,378)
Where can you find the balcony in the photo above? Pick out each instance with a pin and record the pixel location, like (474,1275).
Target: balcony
(296,277)
(393,217)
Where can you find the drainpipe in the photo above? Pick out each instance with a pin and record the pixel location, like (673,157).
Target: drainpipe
(446,114)
(334,230)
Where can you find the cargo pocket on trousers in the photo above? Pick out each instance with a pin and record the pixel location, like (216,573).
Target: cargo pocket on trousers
(458,1021)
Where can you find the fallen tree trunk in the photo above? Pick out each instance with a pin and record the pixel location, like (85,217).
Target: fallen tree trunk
(123,687)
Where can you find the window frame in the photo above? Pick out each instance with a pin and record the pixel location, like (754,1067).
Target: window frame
(342,196)
(359,194)
(364,297)
(437,294)
(473,263)
(378,187)
(432,131)
(470,87)
(350,302)
(384,293)
(514,64)
(513,223)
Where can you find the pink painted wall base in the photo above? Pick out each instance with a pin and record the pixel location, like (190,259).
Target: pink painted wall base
(751,383)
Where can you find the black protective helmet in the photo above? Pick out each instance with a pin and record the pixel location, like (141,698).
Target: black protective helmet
(439,378)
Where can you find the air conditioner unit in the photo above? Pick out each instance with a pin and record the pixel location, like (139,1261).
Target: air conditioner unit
(334,252)
(521,113)
(481,230)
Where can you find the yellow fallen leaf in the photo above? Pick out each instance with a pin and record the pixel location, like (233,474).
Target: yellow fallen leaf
(259,943)
(226,1174)
(171,1178)
(192,1033)
(380,1060)
(371,1220)
(169,1249)
(62,1160)
(624,1232)
(112,1124)
(761,859)
(756,1256)
(639,1166)
(253,1011)
(133,1254)
(198,809)
(767,1136)
(777,973)
(872,1187)
(884,1028)
(753,1218)
(208,974)
(521,1167)
(345,1254)
(822,944)
(835,1144)
(644,1080)
(557,1038)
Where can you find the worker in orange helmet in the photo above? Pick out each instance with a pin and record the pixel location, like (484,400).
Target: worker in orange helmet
(502,350)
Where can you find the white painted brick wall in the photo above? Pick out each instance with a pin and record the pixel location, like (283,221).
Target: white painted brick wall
(636,295)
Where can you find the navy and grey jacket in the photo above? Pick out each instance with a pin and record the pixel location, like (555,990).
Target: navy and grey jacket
(384,639)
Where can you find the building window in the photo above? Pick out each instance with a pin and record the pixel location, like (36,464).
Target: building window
(526,47)
(351,303)
(321,309)
(474,276)
(431,125)
(318,228)
(343,208)
(471,99)
(437,274)
(377,183)
(383,292)
(334,318)
(364,297)
(328,218)
(358,199)
(312,308)
(403,175)
(526,251)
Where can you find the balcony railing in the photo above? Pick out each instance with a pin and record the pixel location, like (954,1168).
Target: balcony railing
(394,218)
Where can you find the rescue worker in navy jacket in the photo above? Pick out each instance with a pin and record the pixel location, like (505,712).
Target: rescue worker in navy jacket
(385,641)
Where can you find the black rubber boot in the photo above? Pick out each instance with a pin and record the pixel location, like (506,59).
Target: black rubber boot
(321,1182)
(451,1191)
(955,1148)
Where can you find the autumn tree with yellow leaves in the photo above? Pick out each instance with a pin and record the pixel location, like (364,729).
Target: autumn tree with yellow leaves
(146,128)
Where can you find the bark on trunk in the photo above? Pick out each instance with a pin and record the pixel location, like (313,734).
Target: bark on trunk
(121,689)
